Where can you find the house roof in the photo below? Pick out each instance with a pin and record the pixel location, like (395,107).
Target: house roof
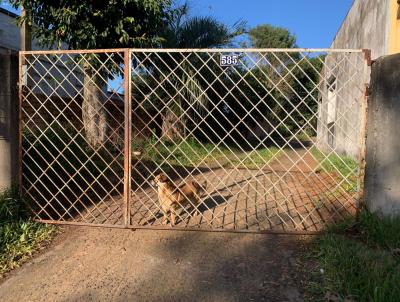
(7,12)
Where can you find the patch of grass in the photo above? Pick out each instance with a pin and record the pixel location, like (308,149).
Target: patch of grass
(334,163)
(303,137)
(19,235)
(186,152)
(381,233)
(358,260)
(343,166)
(257,158)
(191,152)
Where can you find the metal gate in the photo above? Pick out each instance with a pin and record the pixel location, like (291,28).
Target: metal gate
(212,139)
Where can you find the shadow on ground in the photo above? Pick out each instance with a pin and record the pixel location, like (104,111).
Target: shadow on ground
(93,264)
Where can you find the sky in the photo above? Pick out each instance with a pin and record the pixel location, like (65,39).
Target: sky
(7,6)
(314,22)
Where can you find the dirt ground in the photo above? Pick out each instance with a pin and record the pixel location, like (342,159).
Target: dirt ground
(286,195)
(101,264)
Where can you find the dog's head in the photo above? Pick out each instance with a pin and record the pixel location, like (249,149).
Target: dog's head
(160,179)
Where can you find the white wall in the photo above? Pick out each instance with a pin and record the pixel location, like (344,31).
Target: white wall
(366,26)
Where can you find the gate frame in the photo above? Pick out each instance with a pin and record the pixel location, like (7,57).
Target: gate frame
(127,195)
(128,136)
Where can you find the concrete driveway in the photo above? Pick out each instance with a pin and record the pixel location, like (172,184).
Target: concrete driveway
(99,264)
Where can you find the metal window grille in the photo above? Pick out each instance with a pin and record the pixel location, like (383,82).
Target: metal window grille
(273,144)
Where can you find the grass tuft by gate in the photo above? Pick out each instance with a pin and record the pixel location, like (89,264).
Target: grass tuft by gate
(358,260)
(20,236)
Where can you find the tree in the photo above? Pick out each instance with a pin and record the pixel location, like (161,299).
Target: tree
(88,24)
(268,36)
(185,32)
(284,80)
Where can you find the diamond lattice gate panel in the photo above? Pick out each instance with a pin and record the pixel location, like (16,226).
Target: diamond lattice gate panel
(217,139)
(73,136)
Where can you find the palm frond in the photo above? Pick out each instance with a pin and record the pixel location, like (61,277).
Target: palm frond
(203,32)
(188,100)
(194,93)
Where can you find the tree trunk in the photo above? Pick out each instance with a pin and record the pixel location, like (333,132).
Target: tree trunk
(173,129)
(94,116)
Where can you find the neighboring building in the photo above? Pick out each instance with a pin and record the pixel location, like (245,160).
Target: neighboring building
(52,83)
(10,32)
(370,24)
(10,43)
(38,72)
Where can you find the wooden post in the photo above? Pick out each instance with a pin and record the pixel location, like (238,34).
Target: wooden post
(25,44)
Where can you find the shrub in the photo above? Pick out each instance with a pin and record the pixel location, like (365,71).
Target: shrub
(19,235)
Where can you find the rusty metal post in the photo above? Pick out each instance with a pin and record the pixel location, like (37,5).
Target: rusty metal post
(367,57)
(363,130)
(128,135)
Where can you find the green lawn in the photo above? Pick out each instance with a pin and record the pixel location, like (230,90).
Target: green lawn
(358,260)
(19,235)
(191,152)
(343,166)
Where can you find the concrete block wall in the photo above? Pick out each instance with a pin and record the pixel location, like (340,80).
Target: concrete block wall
(8,118)
(341,132)
(382,179)
(366,26)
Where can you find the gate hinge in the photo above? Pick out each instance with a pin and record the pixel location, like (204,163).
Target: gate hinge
(367,56)
(367,90)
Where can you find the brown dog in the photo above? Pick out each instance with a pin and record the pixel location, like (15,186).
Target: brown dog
(172,197)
